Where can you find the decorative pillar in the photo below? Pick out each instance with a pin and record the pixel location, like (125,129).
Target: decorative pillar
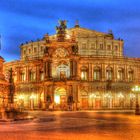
(49,69)
(114,72)
(103,71)
(18,74)
(71,68)
(90,72)
(125,73)
(27,74)
(37,73)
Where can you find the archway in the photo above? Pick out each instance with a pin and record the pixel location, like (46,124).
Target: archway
(60,98)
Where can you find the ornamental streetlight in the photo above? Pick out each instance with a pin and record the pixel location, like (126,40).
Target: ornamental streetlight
(136,89)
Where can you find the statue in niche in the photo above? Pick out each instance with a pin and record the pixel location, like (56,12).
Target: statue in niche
(75,49)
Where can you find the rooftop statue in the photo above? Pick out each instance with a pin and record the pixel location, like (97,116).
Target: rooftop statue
(61,30)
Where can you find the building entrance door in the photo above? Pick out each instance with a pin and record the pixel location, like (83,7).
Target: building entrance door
(60,99)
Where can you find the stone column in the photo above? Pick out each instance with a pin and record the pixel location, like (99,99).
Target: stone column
(18,74)
(103,72)
(125,73)
(37,73)
(71,68)
(49,69)
(114,72)
(27,73)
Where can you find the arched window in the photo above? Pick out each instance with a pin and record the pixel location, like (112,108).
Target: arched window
(109,73)
(97,73)
(130,75)
(120,74)
(84,73)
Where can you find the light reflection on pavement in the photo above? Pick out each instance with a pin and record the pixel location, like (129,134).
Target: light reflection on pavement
(86,125)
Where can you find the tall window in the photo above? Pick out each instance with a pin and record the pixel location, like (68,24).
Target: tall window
(83,45)
(41,76)
(97,73)
(101,46)
(120,74)
(109,73)
(116,48)
(32,76)
(35,50)
(22,77)
(84,73)
(29,51)
(92,46)
(130,75)
(108,47)
(24,52)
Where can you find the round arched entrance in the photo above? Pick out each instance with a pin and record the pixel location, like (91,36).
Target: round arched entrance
(60,98)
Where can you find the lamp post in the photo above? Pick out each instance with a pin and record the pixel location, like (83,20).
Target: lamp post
(136,89)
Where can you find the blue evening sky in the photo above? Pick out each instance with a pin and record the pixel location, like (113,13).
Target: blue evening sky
(25,20)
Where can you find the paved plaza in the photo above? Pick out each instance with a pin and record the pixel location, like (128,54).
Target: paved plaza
(69,125)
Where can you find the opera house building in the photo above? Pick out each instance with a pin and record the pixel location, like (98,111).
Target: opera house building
(74,69)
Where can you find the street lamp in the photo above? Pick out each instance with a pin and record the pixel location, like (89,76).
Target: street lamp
(136,89)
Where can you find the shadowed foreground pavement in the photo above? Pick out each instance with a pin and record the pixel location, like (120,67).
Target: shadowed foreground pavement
(84,125)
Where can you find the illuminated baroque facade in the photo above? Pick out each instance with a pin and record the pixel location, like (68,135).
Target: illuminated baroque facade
(76,68)
(4,86)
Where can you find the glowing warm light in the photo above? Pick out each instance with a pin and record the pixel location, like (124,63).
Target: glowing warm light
(32,96)
(92,96)
(132,96)
(136,88)
(107,96)
(121,95)
(21,97)
(68,36)
(82,75)
(57,99)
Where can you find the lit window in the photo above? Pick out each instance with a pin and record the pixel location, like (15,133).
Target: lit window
(41,76)
(96,74)
(109,74)
(130,75)
(22,77)
(83,73)
(120,74)
(32,76)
